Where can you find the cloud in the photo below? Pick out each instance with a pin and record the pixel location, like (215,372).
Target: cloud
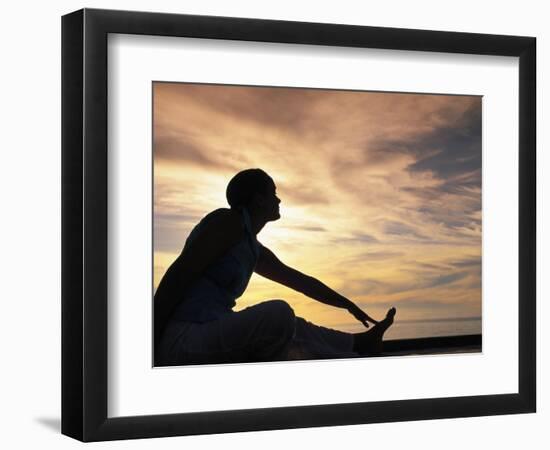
(377,184)
(379,256)
(301,193)
(430,266)
(180,149)
(445,279)
(431,172)
(420,282)
(474,262)
(356,237)
(266,107)
(452,150)
(307,228)
(401,229)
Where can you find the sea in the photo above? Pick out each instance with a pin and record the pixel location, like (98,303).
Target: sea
(410,329)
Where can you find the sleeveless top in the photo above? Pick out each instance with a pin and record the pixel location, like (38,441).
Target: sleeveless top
(215,292)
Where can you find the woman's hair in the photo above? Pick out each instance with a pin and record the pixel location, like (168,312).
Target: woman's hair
(242,187)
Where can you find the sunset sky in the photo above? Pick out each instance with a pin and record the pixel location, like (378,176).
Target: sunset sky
(380,192)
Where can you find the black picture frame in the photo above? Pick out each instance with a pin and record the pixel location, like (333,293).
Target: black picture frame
(84,224)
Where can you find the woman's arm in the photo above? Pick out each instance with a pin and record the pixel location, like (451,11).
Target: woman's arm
(269,266)
(218,235)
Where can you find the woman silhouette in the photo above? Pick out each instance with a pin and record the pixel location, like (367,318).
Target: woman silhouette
(193,317)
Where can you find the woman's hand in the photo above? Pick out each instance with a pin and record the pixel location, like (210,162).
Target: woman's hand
(360,315)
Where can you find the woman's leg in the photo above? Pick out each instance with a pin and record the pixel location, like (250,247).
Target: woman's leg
(269,331)
(317,342)
(370,342)
(313,341)
(260,332)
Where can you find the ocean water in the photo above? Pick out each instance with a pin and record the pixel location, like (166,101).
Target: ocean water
(409,329)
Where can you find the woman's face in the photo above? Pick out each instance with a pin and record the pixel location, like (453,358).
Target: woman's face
(271,203)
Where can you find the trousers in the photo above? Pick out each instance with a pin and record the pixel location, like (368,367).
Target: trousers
(267,331)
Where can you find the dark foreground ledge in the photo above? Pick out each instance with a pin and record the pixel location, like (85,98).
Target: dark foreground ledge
(436,345)
(401,347)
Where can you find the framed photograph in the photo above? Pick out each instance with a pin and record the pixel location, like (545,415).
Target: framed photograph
(266,224)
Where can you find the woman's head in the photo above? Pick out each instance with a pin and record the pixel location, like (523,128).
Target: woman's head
(255,190)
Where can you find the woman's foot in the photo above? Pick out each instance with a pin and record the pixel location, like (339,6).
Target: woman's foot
(370,342)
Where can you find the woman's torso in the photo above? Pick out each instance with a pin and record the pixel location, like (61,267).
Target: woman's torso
(214,293)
